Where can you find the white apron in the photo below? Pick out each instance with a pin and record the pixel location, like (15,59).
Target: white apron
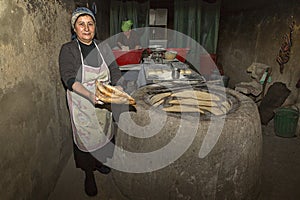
(91,126)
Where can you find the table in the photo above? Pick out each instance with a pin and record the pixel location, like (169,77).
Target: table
(149,72)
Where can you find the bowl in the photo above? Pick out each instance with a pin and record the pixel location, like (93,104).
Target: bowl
(170,55)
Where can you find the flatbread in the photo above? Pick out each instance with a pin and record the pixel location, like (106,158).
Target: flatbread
(191,101)
(110,94)
(159,97)
(214,110)
(226,105)
(158,103)
(182,108)
(196,94)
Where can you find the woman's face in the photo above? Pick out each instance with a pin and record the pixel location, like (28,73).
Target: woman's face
(85,29)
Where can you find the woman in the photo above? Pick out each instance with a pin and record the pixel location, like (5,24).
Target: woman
(128,39)
(81,62)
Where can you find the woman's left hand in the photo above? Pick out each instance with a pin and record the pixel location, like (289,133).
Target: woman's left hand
(119,87)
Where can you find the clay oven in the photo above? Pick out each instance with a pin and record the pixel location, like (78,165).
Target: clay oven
(189,155)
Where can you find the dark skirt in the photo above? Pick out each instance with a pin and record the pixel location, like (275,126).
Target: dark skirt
(88,161)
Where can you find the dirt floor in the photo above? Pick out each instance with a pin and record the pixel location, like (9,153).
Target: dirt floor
(281,166)
(280,180)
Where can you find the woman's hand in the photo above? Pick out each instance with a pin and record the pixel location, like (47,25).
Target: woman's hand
(92,97)
(80,89)
(137,47)
(119,87)
(125,48)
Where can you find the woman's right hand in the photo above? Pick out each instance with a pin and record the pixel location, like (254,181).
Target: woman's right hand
(93,98)
(80,89)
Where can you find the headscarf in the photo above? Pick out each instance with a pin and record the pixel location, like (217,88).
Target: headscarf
(81,11)
(126,25)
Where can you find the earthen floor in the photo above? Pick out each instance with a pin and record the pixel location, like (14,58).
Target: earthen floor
(280,173)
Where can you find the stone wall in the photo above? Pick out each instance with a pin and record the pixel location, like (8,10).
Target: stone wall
(253,33)
(35,135)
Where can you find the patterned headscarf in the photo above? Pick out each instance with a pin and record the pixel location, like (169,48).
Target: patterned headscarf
(126,25)
(80,11)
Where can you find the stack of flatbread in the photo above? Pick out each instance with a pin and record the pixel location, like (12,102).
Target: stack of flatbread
(110,94)
(191,101)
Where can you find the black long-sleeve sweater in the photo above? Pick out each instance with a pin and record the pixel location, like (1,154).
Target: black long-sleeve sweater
(70,63)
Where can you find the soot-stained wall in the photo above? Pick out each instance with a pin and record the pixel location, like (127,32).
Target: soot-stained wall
(35,135)
(253,32)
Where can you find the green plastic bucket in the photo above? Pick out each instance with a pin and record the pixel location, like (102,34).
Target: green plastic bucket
(285,122)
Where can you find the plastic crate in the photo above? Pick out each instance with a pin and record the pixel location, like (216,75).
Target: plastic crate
(128,57)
